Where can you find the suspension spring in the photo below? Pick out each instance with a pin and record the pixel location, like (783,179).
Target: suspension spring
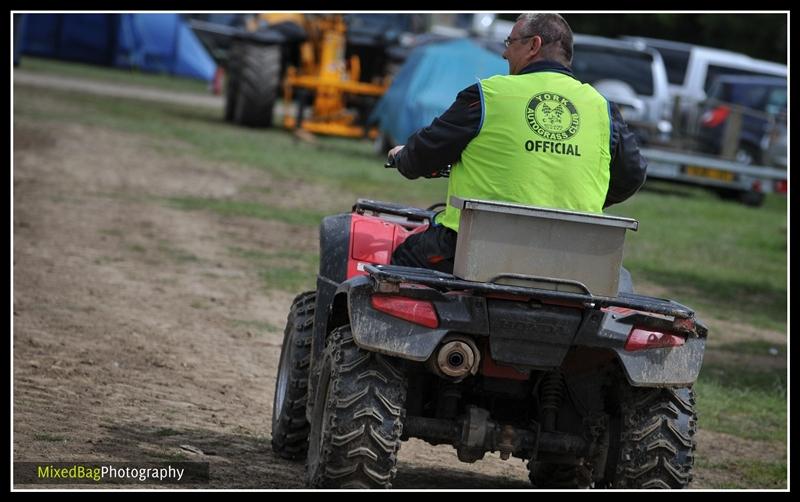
(552,395)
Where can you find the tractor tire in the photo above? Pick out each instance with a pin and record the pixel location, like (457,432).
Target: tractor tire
(255,78)
(289,425)
(231,93)
(357,418)
(653,443)
(232,76)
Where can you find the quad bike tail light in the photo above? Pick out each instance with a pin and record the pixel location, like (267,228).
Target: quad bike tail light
(642,339)
(417,311)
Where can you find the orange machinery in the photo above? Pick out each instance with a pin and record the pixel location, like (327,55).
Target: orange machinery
(331,78)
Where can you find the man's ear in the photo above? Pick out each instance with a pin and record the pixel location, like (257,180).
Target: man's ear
(536,45)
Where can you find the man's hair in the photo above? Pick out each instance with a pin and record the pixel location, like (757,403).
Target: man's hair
(555,32)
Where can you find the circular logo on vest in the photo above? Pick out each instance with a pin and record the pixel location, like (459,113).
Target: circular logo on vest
(552,116)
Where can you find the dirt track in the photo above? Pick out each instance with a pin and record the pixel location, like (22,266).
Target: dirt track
(135,328)
(139,336)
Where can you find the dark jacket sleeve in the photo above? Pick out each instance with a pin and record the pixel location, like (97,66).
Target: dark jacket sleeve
(433,148)
(628,165)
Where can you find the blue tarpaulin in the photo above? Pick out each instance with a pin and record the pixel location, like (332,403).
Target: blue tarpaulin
(428,83)
(158,43)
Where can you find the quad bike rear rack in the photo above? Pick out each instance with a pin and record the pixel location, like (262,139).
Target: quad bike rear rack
(387,278)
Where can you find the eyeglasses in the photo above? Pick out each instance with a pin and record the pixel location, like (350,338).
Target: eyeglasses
(509,40)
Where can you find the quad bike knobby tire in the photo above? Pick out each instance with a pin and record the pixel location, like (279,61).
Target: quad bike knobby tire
(653,446)
(357,418)
(289,425)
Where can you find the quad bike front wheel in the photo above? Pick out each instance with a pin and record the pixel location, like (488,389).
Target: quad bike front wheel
(289,424)
(357,418)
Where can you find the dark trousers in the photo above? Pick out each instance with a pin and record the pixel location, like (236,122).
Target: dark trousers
(434,248)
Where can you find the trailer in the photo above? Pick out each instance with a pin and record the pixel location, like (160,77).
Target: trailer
(731,180)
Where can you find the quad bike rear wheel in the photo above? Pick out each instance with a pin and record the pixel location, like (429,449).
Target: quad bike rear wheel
(653,443)
(289,425)
(357,418)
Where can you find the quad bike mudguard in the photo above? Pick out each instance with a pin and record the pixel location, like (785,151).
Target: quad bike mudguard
(654,367)
(348,242)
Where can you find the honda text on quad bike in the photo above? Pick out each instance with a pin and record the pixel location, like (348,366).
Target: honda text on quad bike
(535,346)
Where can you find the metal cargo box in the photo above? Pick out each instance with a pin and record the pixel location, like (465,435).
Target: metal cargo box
(538,247)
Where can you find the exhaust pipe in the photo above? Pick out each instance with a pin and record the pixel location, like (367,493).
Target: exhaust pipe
(457,357)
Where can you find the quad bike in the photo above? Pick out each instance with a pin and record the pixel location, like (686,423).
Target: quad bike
(591,390)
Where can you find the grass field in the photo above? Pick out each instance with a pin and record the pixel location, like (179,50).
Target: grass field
(711,254)
(727,261)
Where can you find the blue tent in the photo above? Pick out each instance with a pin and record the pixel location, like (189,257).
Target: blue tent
(428,83)
(158,43)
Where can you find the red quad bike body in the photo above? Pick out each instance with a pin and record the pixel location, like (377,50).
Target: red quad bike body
(590,391)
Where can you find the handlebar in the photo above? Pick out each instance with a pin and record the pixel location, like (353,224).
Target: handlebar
(390,162)
(444,173)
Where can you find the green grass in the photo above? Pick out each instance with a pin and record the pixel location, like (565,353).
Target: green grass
(111,232)
(290,271)
(287,279)
(166,431)
(721,258)
(199,305)
(745,402)
(104,260)
(113,75)
(755,347)
(714,256)
(748,474)
(176,255)
(227,207)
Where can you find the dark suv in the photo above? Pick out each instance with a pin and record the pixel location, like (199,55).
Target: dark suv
(762,104)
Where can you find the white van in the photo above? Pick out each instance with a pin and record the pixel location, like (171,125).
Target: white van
(691,69)
(630,75)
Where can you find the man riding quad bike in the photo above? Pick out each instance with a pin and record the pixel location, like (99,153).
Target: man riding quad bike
(590,389)
(531,341)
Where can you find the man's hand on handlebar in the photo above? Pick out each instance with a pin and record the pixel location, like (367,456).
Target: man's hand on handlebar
(390,162)
(391,155)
